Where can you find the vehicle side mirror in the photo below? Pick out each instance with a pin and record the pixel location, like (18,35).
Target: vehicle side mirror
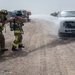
(54,14)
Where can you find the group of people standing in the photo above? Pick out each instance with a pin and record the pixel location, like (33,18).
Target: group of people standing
(17,28)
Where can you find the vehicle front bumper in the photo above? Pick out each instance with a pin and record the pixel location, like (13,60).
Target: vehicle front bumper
(63,32)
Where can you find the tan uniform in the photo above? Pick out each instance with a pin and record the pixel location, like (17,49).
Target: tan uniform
(2,39)
(18,36)
(18,31)
(3,20)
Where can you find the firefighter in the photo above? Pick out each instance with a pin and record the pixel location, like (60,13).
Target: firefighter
(18,31)
(2,39)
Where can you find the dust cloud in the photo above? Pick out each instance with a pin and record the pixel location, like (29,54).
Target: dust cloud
(49,25)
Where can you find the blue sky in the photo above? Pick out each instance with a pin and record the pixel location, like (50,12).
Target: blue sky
(38,6)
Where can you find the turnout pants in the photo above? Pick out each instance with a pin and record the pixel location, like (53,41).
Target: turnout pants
(2,42)
(18,39)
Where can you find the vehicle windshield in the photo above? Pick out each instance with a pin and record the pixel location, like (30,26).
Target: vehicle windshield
(66,14)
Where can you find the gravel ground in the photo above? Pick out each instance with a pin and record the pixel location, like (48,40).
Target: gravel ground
(43,54)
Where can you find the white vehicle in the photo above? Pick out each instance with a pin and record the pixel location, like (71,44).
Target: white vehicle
(66,22)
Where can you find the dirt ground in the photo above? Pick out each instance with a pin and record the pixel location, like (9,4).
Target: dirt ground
(43,54)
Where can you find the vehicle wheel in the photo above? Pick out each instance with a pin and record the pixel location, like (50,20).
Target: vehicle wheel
(60,34)
(63,36)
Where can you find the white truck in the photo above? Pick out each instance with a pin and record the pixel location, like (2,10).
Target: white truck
(66,23)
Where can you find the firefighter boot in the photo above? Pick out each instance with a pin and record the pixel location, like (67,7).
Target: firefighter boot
(2,51)
(14,48)
(20,46)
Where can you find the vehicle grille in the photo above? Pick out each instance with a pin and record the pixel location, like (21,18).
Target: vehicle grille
(69,24)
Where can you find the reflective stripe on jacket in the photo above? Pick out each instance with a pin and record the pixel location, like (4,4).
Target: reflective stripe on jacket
(18,31)
(1,27)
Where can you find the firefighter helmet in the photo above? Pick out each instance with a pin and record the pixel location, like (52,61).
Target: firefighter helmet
(5,12)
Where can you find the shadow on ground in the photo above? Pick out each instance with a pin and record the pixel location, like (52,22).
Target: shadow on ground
(13,55)
(55,43)
(22,53)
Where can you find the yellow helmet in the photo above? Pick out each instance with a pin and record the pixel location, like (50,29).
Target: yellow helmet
(5,12)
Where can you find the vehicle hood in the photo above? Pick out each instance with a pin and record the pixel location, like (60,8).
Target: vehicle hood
(67,19)
(59,20)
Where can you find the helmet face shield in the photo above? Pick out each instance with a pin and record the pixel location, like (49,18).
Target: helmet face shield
(1,15)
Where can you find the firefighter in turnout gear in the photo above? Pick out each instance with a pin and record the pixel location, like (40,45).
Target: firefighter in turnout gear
(3,18)
(18,31)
